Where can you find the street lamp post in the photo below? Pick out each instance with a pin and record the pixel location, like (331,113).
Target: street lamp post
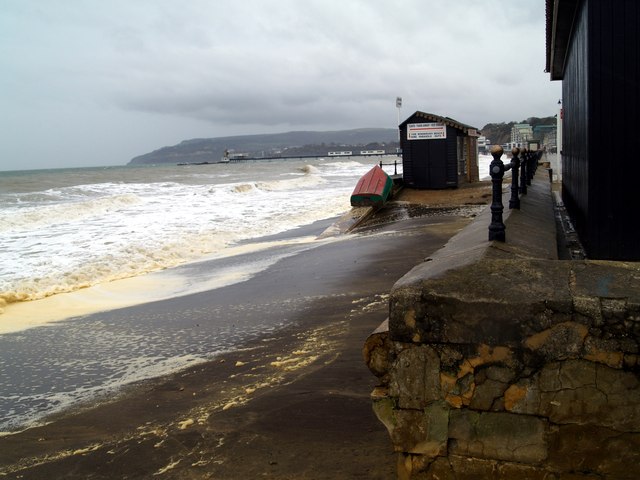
(399,107)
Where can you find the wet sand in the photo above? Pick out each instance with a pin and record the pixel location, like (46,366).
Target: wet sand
(293,403)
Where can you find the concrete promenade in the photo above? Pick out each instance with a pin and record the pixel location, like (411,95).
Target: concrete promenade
(501,360)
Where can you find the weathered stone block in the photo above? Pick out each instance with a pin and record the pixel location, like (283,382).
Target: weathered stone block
(498,373)
(422,432)
(602,451)
(440,468)
(516,471)
(613,285)
(384,408)
(617,383)
(414,467)
(581,405)
(415,377)
(629,343)
(491,383)
(378,352)
(486,394)
(576,374)
(523,397)
(579,391)
(465,468)
(458,383)
(558,342)
(614,308)
(574,476)
(499,436)
(578,400)
(549,380)
(622,389)
(434,309)
(588,307)
(607,351)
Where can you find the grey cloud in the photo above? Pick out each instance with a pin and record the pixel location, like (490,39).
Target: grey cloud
(227,66)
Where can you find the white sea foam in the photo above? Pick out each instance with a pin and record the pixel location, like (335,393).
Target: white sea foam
(156,286)
(123,373)
(73,236)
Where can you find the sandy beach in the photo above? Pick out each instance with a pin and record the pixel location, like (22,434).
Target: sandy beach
(290,404)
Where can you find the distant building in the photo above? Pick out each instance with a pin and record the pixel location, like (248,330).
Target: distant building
(438,152)
(549,140)
(592,46)
(521,133)
(484,144)
(540,131)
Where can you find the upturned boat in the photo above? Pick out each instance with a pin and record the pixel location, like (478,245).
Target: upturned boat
(373,189)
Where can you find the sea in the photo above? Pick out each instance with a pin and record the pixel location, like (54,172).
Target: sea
(83,240)
(73,241)
(67,229)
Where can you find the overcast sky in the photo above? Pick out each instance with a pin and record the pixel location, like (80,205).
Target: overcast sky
(94,82)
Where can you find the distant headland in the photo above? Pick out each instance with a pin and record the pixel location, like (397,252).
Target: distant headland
(299,144)
(277,145)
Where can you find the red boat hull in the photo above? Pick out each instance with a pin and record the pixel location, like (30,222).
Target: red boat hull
(372,189)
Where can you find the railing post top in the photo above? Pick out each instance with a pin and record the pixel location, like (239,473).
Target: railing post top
(496,152)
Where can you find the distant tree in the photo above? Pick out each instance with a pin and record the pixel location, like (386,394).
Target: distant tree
(498,133)
(535,121)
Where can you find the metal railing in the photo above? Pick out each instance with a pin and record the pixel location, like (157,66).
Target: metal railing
(523,167)
(395,166)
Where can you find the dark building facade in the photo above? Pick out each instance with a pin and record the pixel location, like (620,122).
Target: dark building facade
(593,46)
(437,152)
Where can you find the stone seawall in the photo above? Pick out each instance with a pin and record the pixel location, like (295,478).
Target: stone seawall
(500,361)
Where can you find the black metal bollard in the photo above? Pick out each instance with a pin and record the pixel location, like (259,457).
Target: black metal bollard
(536,162)
(523,172)
(496,169)
(395,167)
(514,201)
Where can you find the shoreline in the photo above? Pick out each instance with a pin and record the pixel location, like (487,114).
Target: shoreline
(165,284)
(291,404)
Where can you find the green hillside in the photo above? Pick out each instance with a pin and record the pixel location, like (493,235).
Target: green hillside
(290,144)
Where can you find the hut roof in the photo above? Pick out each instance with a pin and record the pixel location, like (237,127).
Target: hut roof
(560,17)
(468,129)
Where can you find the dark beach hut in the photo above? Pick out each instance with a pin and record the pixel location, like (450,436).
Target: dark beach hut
(437,152)
(593,46)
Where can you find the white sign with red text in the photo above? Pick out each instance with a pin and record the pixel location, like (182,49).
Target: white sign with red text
(426,131)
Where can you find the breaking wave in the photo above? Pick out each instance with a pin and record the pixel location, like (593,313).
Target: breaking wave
(63,239)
